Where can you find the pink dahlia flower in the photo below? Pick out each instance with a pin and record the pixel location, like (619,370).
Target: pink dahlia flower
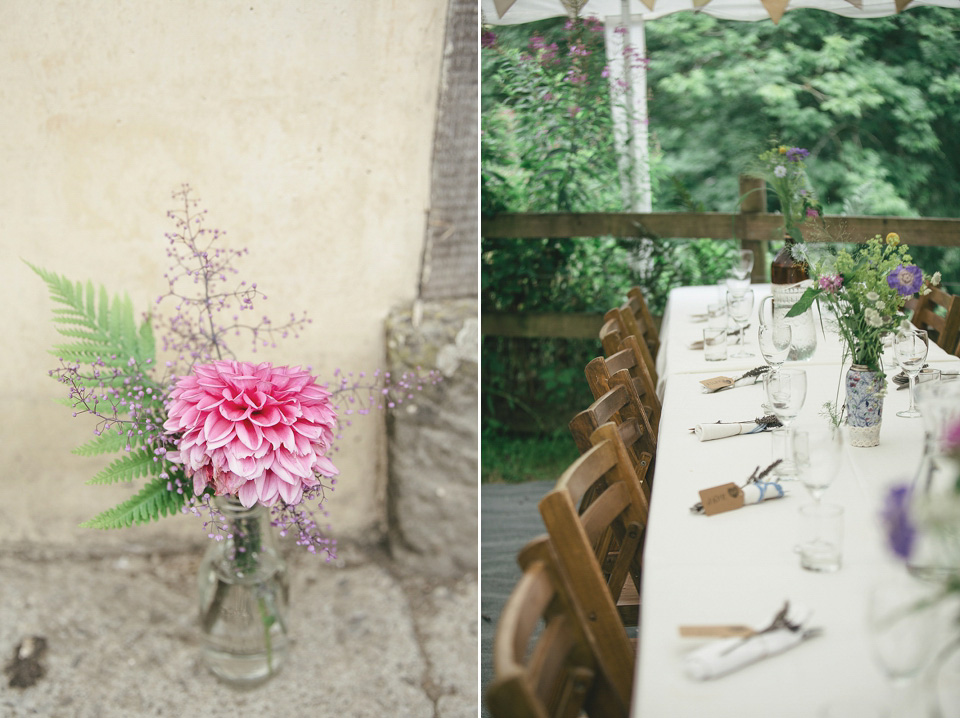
(254,431)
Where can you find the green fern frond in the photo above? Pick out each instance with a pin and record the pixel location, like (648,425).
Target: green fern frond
(152,502)
(127,468)
(107,443)
(110,324)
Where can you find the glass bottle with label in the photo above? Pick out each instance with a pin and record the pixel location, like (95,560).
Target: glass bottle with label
(789,279)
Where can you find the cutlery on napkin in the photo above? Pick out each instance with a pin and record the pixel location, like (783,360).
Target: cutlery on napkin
(926,374)
(721,430)
(731,654)
(745,379)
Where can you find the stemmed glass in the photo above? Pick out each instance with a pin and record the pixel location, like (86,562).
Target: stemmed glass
(902,628)
(786,391)
(739,307)
(774,340)
(910,348)
(817,454)
(744,265)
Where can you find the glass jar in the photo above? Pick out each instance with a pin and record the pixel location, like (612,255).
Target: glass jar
(936,554)
(244,593)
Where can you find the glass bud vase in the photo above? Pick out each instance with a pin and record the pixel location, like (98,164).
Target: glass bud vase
(243,593)
(936,553)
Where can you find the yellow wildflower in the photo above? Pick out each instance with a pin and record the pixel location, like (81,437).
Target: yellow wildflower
(782,149)
(893,239)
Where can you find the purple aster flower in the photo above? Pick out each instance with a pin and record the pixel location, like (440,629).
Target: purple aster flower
(796,154)
(907,279)
(896,520)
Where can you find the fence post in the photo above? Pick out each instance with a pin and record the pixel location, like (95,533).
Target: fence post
(753,200)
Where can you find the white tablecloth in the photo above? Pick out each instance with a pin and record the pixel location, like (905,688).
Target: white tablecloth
(678,331)
(739,567)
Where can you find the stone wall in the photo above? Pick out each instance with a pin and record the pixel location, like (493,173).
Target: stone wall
(432,484)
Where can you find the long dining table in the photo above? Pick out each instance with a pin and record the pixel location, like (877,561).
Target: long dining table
(739,567)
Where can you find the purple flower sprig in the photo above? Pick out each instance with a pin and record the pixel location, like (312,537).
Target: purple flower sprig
(196,332)
(900,530)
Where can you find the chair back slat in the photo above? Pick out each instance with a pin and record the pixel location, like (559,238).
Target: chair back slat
(603,511)
(939,314)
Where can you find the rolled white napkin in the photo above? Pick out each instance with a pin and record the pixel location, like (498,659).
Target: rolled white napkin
(709,432)
(761,491)
(731,654)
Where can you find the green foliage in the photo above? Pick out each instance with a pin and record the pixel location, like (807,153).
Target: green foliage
(512,458)
(134,465)
(109,335)
(153,501)
(106,338)
(875,101)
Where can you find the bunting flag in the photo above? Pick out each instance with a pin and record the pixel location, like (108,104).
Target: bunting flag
(856,3)
(776,8)
(698,3)
(902,4)
(502,6)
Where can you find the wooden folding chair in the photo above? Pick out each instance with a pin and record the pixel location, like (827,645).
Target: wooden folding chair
(621,405)
(602,575)
(641,312)
(620,323)
(943,327)
(544,664)
(626,356)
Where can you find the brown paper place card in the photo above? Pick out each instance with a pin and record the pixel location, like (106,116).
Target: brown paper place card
(718,499)
(718,631)
(718,382)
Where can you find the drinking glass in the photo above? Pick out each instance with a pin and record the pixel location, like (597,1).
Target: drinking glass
(744,264)
(910,348)
(786,391)
(739,307)
(821,537)
(817,454)
(903,624)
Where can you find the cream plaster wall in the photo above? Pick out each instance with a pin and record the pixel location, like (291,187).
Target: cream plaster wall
(305,127)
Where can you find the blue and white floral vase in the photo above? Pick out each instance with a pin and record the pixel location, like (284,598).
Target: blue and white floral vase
(865,391)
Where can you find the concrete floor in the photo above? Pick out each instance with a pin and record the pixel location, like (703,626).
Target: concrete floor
(119,622)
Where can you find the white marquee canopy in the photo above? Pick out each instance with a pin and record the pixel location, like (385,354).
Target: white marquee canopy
(511,12)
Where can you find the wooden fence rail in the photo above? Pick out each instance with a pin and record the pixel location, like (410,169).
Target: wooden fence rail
(752,225)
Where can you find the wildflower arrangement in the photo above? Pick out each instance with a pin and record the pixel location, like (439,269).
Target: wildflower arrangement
(866,290)
(784,169)
(202,423)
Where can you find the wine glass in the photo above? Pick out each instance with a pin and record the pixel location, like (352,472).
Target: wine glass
(774,340)
(817,454)
(739,307)
(902,626)
(744,264)
(910,348)
(786,391)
